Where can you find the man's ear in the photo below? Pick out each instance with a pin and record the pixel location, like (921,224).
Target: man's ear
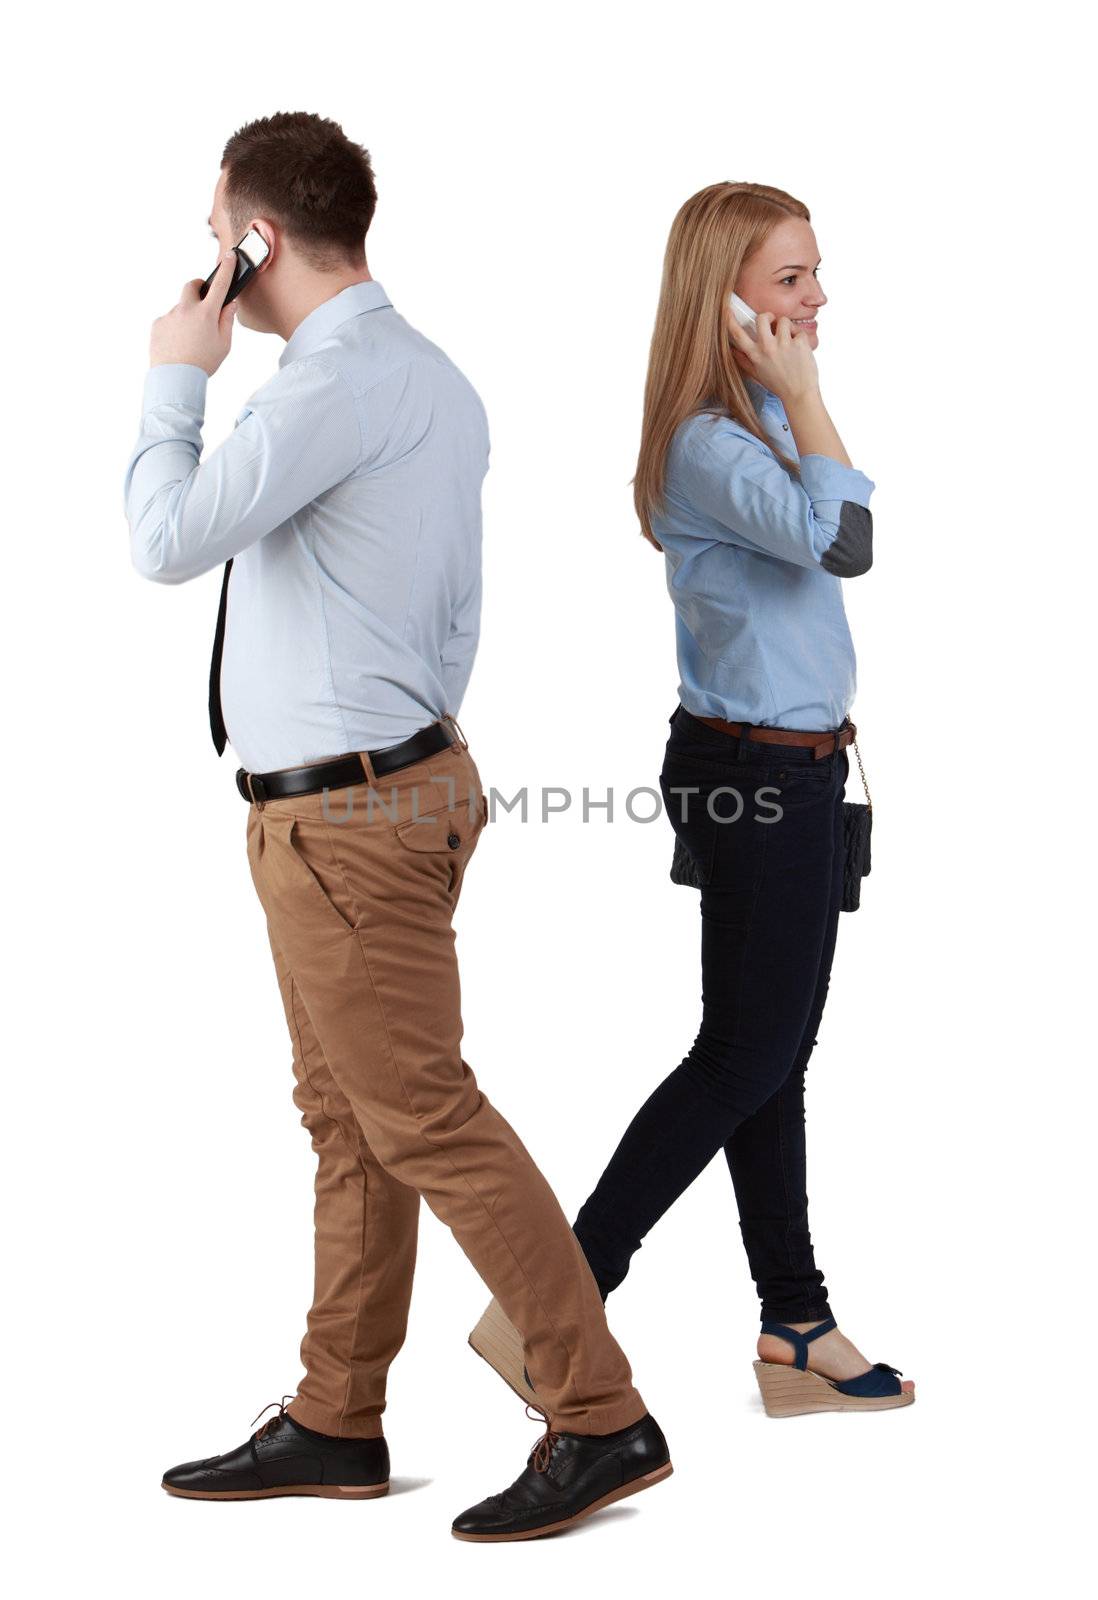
(269,234)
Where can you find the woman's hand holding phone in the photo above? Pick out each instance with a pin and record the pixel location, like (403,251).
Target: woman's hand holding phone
(777,355)
(782,359)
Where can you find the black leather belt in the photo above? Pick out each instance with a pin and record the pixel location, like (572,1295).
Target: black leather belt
(344,770)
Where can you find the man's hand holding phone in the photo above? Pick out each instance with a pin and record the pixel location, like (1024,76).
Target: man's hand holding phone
(777,356)
(198,330)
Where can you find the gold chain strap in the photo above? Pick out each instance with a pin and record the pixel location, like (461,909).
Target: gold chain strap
(861,770)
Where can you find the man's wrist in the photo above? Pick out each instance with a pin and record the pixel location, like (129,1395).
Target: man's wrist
(177,361)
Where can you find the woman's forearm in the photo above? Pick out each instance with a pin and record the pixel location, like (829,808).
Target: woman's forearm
(813,429)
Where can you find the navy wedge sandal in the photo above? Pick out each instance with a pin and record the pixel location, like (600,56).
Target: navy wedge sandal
(794,1391)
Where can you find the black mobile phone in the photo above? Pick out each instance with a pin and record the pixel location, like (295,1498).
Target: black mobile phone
(251,253)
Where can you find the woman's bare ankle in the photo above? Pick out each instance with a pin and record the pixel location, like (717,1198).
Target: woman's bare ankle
(832,1355)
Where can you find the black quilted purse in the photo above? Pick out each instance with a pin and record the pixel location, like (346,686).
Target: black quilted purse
(857,827)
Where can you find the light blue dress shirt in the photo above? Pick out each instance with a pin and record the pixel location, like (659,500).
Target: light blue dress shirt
(755,562)
(348,495)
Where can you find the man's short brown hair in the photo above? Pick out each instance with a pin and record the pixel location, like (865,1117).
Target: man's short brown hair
(304,173)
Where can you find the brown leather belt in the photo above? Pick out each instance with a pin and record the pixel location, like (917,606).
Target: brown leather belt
(821,744)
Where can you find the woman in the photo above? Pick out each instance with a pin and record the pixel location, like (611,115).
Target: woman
(744,484)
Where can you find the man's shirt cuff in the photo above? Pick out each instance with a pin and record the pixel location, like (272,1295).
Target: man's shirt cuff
(176,383)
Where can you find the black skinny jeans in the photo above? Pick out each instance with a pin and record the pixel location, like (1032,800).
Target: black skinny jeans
(770,898)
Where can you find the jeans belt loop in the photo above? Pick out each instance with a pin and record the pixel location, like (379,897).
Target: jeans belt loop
(743,741)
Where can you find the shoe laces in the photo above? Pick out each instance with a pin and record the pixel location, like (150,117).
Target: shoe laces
(542,1453)
(272,1422)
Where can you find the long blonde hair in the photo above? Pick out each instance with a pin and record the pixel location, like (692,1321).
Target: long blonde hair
(691,366)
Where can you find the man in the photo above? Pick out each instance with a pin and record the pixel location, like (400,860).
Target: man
(345,506)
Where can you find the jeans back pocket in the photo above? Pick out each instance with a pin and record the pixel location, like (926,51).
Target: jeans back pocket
(695,833)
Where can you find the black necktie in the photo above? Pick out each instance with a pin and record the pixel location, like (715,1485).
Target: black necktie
(217,721)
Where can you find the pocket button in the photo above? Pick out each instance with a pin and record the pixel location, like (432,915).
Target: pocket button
(453,840)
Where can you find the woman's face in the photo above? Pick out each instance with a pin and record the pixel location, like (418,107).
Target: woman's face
(781,277)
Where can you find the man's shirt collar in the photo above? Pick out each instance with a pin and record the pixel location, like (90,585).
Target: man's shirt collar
(325,318)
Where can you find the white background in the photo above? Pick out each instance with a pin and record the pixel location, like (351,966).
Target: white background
(529,163)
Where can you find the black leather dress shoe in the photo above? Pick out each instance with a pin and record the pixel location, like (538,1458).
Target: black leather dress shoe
(282,1457)
(567,1477)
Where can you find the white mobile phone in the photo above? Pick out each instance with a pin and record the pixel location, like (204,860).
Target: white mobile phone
(251,253)
(744,315)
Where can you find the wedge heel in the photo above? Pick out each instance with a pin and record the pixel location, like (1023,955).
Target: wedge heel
(789,1393)
(496,1339)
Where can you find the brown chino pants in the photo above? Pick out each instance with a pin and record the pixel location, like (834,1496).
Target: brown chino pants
(359,888)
